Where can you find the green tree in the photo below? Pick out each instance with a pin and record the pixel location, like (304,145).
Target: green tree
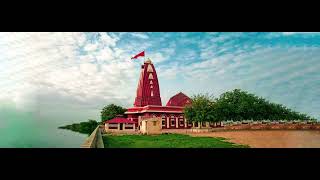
(240,105)
(201,109)
(110,111)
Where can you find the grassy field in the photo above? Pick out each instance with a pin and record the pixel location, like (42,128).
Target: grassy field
(166,141)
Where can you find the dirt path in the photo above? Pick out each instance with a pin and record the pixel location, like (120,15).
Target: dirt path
(271,138)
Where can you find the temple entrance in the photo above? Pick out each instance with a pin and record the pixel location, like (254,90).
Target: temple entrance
(121,126)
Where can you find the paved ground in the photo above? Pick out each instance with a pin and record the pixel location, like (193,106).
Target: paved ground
(271,138)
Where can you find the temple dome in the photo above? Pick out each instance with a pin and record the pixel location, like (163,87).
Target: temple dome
(179,99)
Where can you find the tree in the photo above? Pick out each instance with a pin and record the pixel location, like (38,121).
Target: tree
(110,111)
(201,109)
(240,105)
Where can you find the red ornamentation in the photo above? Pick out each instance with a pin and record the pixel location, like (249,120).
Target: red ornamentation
(144,95)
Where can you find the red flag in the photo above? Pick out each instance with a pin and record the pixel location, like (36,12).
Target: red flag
(138,55)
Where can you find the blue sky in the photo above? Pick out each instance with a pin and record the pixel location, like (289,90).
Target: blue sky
(69,72)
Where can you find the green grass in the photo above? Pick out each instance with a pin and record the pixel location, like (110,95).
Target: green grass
(166,141)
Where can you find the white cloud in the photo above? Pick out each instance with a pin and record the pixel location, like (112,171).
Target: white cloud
(157,57)
(105,54)
(108,40)
(88,68)
(35,65)
(292,33)
(91,47)
(140,35)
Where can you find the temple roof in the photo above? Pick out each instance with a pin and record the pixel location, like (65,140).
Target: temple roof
(179,99)
(120,120)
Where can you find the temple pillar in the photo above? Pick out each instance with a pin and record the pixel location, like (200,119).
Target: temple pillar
(134,127)
(177,122)
(193,124)
(119,126)
(168,123)
(124,126)
(207,124)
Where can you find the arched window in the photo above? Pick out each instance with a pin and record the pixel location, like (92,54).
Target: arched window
(172,120)
(164,120)
(181,120)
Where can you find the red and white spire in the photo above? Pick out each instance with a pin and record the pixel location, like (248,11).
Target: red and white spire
(148,91)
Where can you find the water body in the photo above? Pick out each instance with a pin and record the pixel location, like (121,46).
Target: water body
(20,129)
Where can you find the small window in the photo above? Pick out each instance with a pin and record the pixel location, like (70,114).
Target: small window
(154,123)
(163,120)
(172,122)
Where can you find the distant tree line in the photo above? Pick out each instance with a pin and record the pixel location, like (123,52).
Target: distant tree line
(82,127)
(238,105)
(108,112)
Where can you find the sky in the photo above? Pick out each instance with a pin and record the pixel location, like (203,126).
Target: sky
(72,75)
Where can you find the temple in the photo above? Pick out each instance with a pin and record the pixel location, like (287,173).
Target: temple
(148,101)
(148,104)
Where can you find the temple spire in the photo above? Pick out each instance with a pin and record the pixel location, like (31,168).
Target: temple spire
(148,91)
